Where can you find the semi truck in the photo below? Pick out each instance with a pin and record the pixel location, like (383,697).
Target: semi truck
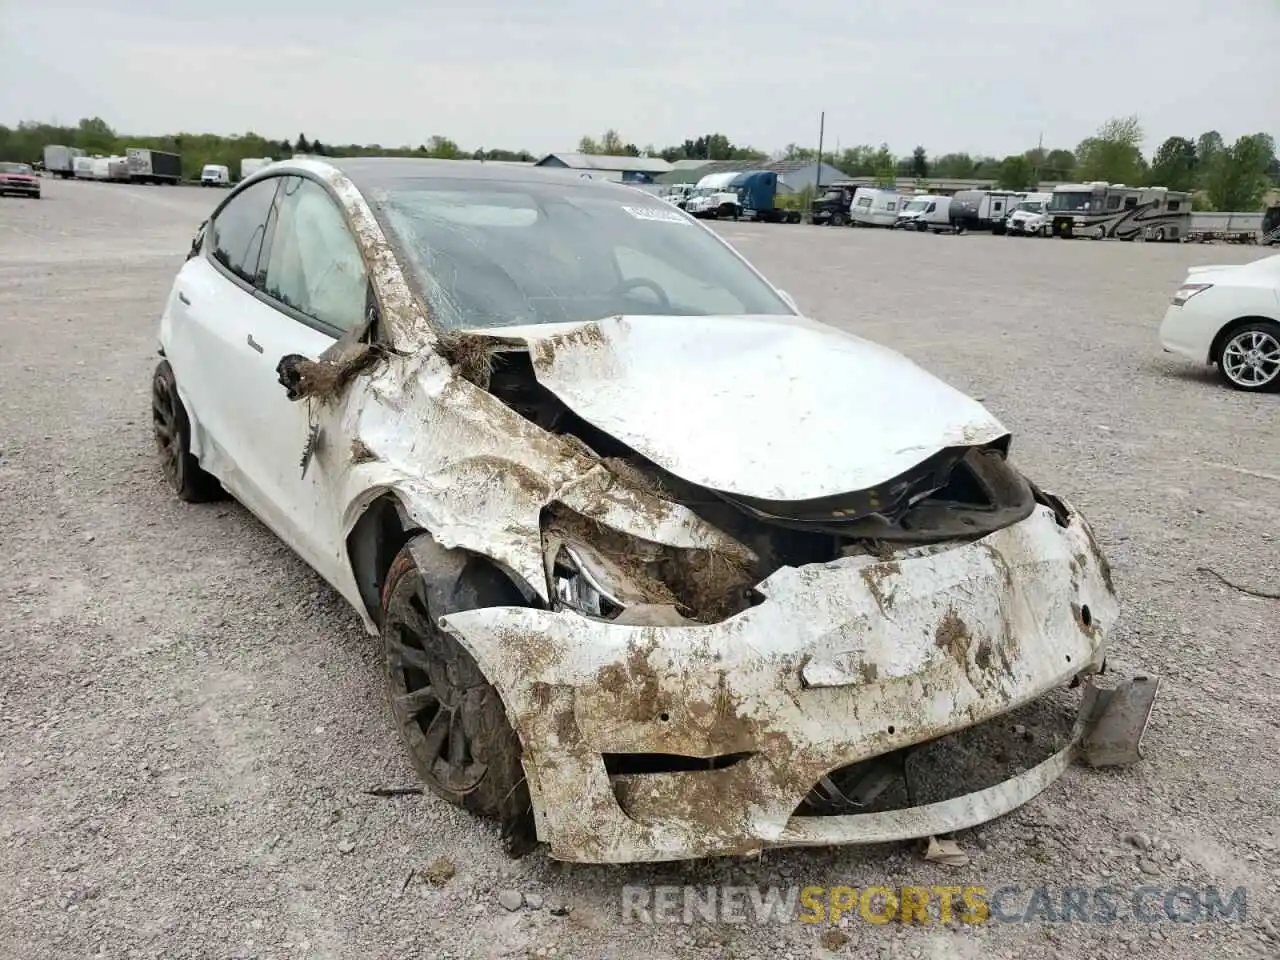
(834,204)
(758,198)
(1103,211)
(153,166)
(59,161)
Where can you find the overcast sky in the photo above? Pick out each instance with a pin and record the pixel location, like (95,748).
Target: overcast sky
(976,75)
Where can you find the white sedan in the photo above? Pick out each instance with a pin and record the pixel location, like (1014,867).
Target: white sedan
(1229,315)
(660,567)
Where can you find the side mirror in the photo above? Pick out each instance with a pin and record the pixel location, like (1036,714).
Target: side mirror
(790,300)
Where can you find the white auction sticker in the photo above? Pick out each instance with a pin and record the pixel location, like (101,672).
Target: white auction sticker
(656,213)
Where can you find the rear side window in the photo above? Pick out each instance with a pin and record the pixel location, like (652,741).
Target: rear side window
(238,228)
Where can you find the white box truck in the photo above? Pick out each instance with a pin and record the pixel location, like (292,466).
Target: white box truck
(59,161)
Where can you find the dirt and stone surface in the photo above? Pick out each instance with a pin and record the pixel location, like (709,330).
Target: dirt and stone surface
(189,717)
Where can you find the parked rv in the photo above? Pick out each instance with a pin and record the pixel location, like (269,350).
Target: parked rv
(983,209)
(1030,216)
(758,198)
(834,205)
(82,167)
(925,212)
(876,208)
(251,165)
(1102,210)
(59,161)
(153,166)
(215,175)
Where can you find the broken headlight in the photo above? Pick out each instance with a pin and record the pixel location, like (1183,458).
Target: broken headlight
(579,583)
(606,574)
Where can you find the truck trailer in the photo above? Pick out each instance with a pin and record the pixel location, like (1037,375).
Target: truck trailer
(153,166)
(59,161)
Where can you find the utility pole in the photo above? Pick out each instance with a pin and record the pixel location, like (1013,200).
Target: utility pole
(817,177)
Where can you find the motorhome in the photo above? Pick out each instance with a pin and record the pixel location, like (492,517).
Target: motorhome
(925,212)
(983,209)
(877,208)
(1030,216)
(1102,210)
(713,198)
(82,167)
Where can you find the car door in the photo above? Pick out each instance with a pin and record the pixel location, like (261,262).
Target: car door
(208,321)
(316,288)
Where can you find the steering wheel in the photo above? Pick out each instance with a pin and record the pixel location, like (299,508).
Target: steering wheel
(626,286)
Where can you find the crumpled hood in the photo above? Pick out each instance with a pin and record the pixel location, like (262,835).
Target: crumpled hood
(774,408)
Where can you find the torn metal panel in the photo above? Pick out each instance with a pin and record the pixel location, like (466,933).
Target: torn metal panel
(822,432)
(901,651)
(478,475)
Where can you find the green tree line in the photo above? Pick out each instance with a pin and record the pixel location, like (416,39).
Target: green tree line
(1224,176)
(26,143)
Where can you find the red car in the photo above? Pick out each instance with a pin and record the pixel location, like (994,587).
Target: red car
(19,178)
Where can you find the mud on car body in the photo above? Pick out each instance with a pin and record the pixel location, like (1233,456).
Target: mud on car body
(656,572)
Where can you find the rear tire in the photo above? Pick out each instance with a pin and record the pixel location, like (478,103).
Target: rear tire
(451,719)
(173,441)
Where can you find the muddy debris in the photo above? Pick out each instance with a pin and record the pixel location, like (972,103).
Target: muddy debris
(469,354)
(326,378)
(360,452)
(439,871)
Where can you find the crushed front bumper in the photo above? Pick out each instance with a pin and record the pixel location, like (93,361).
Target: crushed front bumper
(842,662)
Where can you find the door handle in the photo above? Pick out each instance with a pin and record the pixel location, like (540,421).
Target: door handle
(183,297)
(253,343)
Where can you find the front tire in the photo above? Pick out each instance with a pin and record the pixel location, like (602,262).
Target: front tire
(451,719)
(173,441)
(1249,358)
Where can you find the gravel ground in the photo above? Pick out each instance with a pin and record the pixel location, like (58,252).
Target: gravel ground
(189,716)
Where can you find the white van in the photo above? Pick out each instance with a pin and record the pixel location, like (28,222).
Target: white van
(215,175)
(924,213)
(876,208)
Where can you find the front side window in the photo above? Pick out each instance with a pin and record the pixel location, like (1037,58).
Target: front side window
(314,265)
(238,228)
(493,253)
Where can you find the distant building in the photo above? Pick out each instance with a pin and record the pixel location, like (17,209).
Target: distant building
(794,175)
(624,169)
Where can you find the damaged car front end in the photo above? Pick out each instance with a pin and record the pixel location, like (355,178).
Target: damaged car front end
(662,568)
(753,690)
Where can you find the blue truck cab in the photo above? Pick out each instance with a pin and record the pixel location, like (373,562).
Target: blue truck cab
(757,197)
